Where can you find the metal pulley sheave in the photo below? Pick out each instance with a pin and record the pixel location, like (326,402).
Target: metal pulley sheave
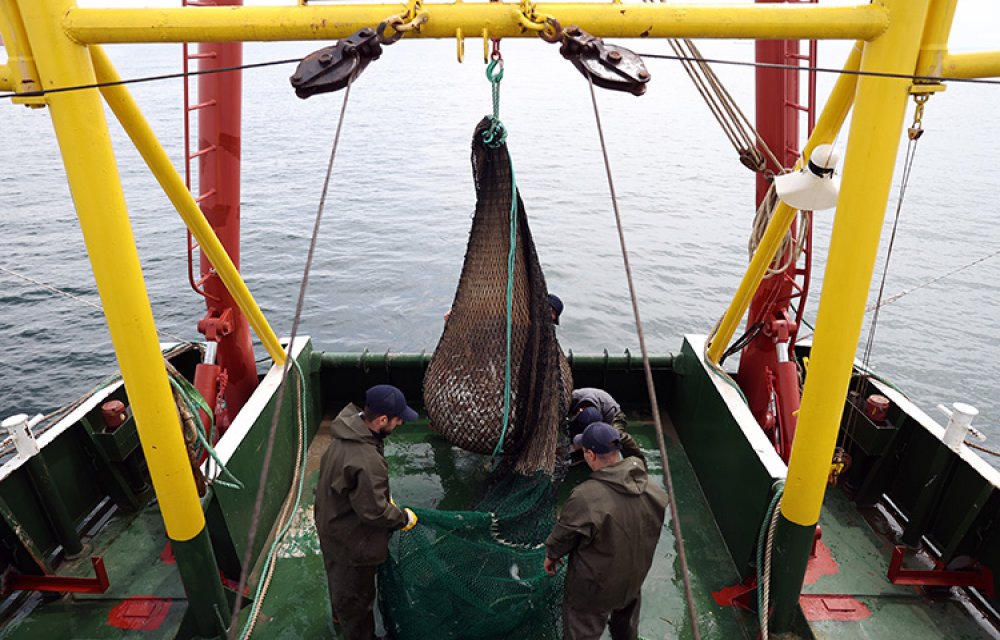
(606,65)
(331,68)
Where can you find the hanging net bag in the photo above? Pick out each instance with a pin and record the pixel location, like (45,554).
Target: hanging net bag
(464,388)
(495,387)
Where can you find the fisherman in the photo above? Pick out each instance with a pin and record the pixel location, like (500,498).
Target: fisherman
(557,307)
(589,405)
(609,527)
(355,514)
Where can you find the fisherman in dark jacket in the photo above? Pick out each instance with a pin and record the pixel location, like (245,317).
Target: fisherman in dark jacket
(588,405)
(354,512)
(609,527)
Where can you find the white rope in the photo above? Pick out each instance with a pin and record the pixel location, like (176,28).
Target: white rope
(763,615)
(790,250)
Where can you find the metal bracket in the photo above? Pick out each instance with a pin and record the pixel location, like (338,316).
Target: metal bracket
(332,68)
(607,65)
(979,577)
(63,584)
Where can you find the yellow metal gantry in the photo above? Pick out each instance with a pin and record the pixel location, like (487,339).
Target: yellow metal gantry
(49,44)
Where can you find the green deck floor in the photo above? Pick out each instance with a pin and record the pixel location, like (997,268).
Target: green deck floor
(427,472)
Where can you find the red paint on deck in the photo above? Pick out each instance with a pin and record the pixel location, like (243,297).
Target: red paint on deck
(822,564)
(167,555)
(841,608)
(144,613)
(735,595)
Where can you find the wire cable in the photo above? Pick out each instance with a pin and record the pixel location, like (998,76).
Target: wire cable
(266,462)
(650,386)
(652,56)
(793,67)
(165,76)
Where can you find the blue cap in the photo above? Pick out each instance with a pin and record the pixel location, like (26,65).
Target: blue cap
(387,400)
(599,437)
(557,306)
(587,417)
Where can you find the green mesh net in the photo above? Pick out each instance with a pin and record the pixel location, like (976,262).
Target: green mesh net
(479,573)
(476,574)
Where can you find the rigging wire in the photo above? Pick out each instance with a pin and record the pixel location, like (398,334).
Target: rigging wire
(80,300)
(141,79)
(650,387)
(794,67)
(734,123)
(652,56)
(911,148)
(266,463)
(897,296)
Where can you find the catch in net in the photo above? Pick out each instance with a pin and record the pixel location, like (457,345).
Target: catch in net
(479,573)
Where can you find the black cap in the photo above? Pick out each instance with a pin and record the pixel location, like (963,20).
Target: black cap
(599,437)
(557,306)
(387,400)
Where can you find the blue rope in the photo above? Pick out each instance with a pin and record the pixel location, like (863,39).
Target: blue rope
(511,255)
(497,133)
(195,402)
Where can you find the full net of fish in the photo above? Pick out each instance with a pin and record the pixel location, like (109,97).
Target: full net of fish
(479,573)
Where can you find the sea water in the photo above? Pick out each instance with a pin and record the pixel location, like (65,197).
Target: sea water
(397,217)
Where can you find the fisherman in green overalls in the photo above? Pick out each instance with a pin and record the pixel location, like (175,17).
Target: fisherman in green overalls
(354,512)
(609,527)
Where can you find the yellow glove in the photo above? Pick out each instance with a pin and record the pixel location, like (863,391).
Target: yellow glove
(411,519)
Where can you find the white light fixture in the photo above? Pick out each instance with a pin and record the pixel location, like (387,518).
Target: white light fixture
(813,188)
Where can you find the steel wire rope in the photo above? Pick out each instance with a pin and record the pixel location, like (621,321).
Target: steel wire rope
(266,463)
(911,149)
(896,296)
(141,79)
(653,56)
(795,67)
(288,510)
(650,387)
(79,299)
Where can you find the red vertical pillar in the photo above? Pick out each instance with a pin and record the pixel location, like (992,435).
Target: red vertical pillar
(777,122)
(219,178)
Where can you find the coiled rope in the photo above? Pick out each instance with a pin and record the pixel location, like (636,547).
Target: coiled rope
(765,539)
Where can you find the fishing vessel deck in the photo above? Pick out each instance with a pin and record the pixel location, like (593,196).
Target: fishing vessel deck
(846,593)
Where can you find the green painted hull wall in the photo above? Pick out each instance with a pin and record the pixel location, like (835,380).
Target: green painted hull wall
(732,476)
(229,511)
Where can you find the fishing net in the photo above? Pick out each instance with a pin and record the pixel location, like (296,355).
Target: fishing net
(464,384)
(479,573)
(457,576)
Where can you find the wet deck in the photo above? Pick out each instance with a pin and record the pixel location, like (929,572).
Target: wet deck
(846,594)
(427,472)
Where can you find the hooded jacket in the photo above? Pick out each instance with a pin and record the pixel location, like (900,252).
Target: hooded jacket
(609,527)
(353,508)
(598,398)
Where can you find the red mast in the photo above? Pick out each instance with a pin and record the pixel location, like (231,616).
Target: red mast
(232,377)
(767,373)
